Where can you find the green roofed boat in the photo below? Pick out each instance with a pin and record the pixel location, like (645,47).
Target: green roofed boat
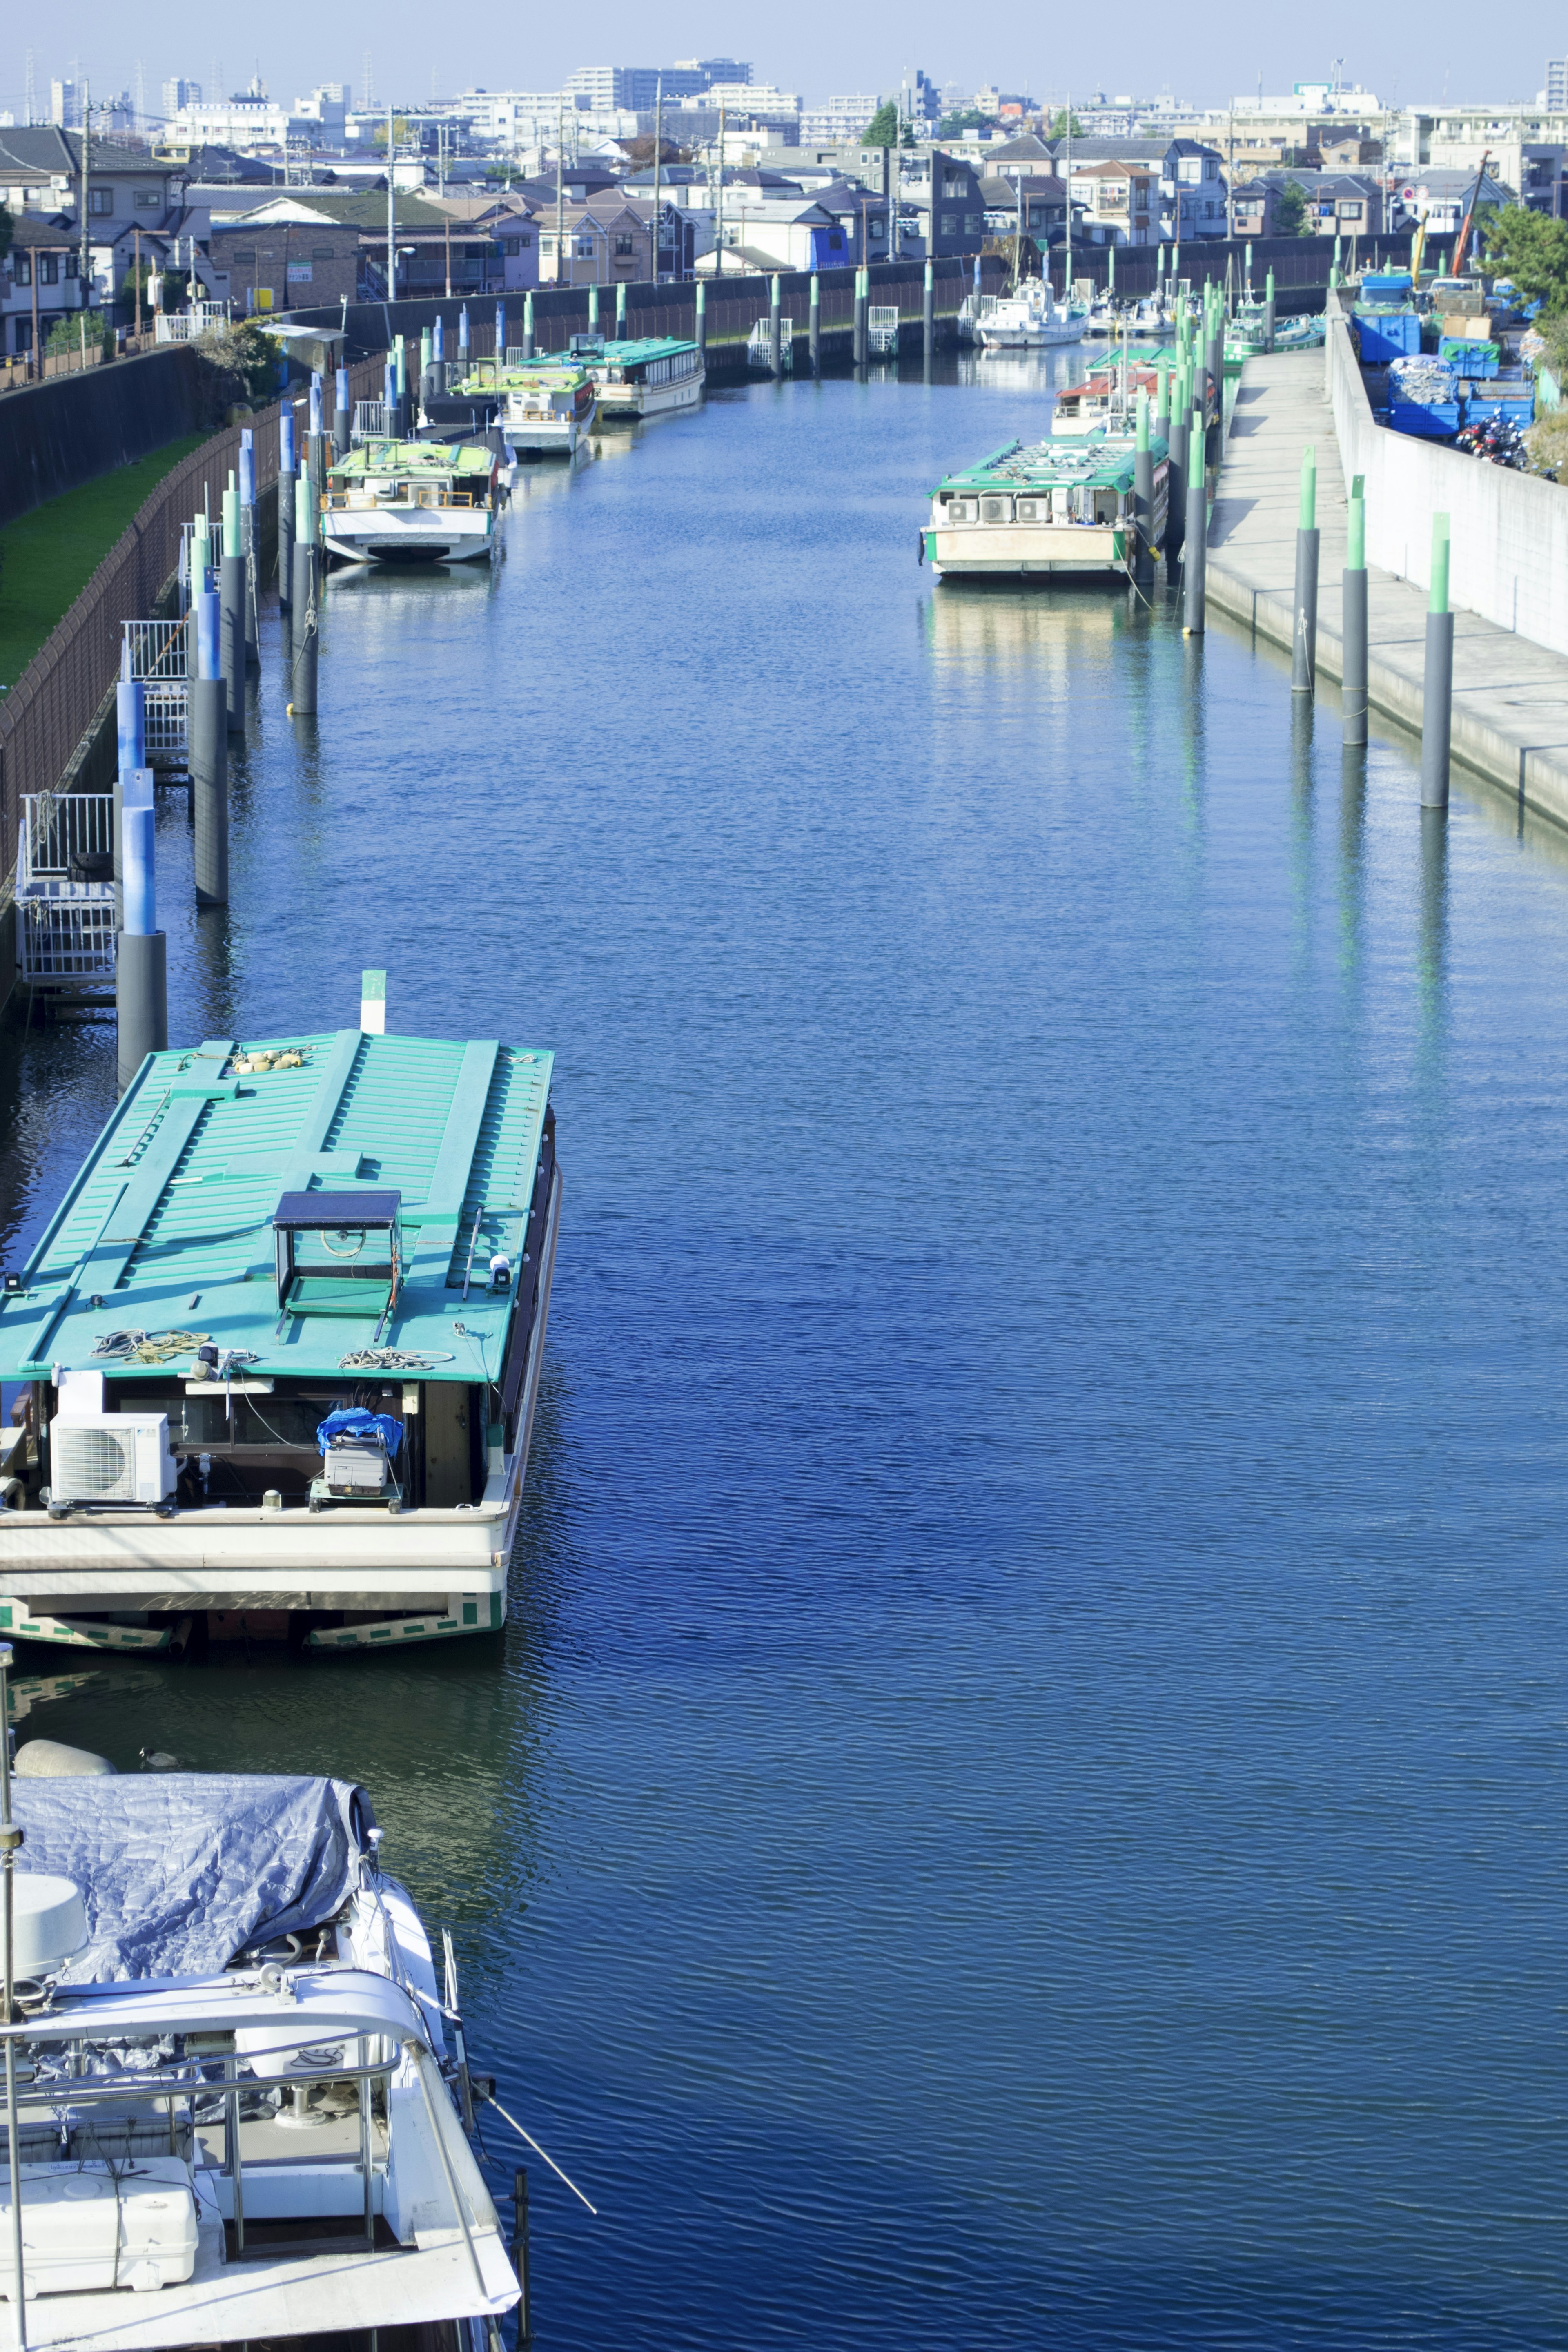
(541,407)
(1045,508)
(411,502)
(279,1348)
(652,375)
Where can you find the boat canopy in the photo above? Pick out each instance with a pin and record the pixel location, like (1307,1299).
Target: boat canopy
(180,1872)
(433,457)
(634,351)
(1095,461)
(184,1229)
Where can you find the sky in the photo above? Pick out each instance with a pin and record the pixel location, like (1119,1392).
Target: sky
(815,49)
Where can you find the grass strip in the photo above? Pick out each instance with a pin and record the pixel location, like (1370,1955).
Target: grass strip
(48,557)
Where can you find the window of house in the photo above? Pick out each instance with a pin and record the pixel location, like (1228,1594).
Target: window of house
(100,200)
(149,200)
(49,269)
(547,244)
(585,248)
(877,223)
(24,334)
(21,269)
(1350,212)
(525,241)
(625,249)
(322,252)
(242,256)
(972,224)
(73,263)
(511,246)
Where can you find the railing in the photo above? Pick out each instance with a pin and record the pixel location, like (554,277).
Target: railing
(65,936)
(882,328)
(166,724)
(159,649)
(59,830)
(186,326)
(759,344)
(373,421)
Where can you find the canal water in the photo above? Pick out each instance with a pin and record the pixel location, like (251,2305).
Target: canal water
(1021,1801)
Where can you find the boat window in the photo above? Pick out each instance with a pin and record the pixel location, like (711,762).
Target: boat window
(1104,506)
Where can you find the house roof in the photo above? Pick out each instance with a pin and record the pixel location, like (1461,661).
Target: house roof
(282,213)
(1116,171)
(1041,190)
(42,150)
(1027,150)
(46,229)
(366,208)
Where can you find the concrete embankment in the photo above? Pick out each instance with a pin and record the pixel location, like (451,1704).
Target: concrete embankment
(1511,695)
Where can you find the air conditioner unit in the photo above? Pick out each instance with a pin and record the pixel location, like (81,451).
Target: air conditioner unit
(112,1458)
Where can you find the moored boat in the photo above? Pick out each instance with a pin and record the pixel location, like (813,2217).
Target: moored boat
(281,1344)
(242,2102)
(650,375)
(411,502)
(1031,320)
(541,408)
(1050,507)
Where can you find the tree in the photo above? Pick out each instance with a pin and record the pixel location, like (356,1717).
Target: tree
(1533,249)
(640,153)
(1290,210)
(969,117)
(881,131)
(1058,129)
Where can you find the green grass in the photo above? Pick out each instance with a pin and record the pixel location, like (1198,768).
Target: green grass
(48,557)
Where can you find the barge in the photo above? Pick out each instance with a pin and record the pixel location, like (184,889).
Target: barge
(242,2106)
(411,502)
(274,1364)
(1048,508)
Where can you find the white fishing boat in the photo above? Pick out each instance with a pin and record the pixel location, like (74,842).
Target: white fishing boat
(238,2099)
(411,502)
(1031,320)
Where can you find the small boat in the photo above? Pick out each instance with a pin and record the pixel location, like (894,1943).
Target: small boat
(1031,319)
(1046,508)
(541,408)
(650,375)
(411,502)
(281,1345)
(242,2104)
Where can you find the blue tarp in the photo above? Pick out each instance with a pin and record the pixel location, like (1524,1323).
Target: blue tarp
(353,1421)
(179,1872)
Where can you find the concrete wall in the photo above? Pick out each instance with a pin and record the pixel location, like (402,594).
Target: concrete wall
(70,430)
(1509,532)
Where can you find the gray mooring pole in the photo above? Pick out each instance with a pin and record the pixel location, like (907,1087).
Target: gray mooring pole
(528,328)
(285,471)
(1269,314)
(1438,688)
(775,345)
(1304,629)
(699,326)
(231,590)
(928,315)
(344,417)
(520,2259)
(141,959)
(1143,498)
(1176,477)
(814,326)
(862,281)
(306,578)
(1353,668)
(1195,545)
(316,438)
(1214,437)
(250,540)
(209,755)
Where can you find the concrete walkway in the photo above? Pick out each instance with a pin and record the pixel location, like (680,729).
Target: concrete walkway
(1510,698)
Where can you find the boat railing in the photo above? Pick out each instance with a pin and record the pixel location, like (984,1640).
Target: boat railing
(424,496)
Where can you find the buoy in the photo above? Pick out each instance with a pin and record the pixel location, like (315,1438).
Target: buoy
(288,710)
(50,1760)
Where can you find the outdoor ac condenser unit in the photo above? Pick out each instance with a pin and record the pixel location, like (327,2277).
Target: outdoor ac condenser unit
(112,1457)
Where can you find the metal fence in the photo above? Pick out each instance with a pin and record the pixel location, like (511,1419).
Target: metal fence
(54,701)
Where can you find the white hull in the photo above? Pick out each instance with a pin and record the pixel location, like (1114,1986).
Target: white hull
(1029,338)
(409,535)
(1023,549)
(642,400)
(447,1566)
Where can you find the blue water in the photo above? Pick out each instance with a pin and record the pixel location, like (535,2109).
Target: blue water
(1021,1801)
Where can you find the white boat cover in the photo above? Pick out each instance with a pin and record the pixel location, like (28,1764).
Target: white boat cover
(179,1872)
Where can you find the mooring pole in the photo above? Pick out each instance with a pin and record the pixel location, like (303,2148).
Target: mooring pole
(306,578)
(927,314)
(141,958)
(209,753)
(315,438)
(1437,689)
(1268,312)
(593,309)
(814,323)
(1176,477)
(520,2259)
(231,588)
(1143,498)
(501,338)
(250,541)
(342,422)
(775,342)
(1304,630)
(284,502)
(10,1839)
(621,312)
(1354,666)
(862,284)
(700,330)
(1196,547)
(528,326)
(463,340)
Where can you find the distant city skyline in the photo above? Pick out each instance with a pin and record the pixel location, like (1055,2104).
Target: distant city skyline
(815,52)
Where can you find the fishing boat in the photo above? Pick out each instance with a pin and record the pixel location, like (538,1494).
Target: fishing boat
(1031,320)
(281,1345)
(241,2101)
(411,502)
(541,408)
(650,375)
(1047,508)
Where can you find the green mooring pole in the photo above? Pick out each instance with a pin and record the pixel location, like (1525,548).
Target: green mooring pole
(1304,631)
(1438,688)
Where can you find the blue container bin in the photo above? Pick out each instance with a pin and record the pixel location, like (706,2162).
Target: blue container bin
(1438,422)
(1387,335)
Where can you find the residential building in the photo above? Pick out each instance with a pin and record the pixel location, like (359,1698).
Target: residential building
(1442,197)
(1338,204)
(941,205)
(606,240)
(767,232)
(837,121)
(130,194)
(1554,97)
(1525,147)
(432,246)
(66,102)
(634,89)
(178,93)
(713,70)
(39,279)
(1120,203)
(1039,196)
(1193,191)
(284,256)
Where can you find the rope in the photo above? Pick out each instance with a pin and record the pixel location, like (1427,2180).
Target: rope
(533,2143)
(391,1359)
(148,1347)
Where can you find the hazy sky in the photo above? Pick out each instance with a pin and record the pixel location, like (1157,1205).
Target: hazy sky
(814,49)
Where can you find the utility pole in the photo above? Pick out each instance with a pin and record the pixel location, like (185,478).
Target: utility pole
(560,186)
(658,143)
(85,263)
(391,210)
(718,218)
(1230,180)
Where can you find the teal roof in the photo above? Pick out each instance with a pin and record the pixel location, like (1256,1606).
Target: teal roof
(169,1222)
(630,353)
(415,457)
(1097,460)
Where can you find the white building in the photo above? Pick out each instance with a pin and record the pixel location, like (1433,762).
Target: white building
(178,93)
(66,104)
(252,120)
(837,121)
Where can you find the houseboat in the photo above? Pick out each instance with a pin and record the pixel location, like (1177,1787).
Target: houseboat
(242,2104)
(652,375)
(541,408)
(279,1349)
(411,502)
(1031,319)
(1050,506)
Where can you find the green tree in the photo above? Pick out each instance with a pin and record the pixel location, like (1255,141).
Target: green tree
(1058,128)
(1530,247)
(1290,210)
(969,117)
(881,131)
